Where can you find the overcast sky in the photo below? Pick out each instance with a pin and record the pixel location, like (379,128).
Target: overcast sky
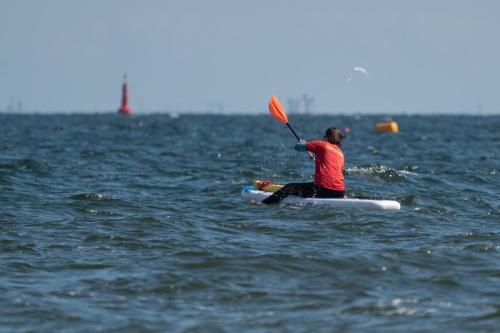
(232,55)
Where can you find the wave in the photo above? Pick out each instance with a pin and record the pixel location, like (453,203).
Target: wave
(381,172)
(91,197)
(21,164)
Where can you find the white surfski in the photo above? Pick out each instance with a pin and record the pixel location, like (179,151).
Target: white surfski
(252,194)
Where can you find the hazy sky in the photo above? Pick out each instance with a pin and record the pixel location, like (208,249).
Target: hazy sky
(208,55)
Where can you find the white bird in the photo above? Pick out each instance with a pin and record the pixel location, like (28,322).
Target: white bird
(358,69)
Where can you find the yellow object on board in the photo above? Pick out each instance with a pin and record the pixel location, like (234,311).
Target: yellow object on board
(387,126)
(266,185)
(272,188)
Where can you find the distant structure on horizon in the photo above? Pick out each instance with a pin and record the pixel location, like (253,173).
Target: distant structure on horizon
(11,108)
(125,109)
(300,105)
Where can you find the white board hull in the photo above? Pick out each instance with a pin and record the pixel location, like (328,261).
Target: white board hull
(251,194)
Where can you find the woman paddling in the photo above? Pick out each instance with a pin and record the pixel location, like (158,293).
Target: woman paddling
(328,177)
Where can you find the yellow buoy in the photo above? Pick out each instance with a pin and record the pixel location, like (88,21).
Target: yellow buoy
(387,126)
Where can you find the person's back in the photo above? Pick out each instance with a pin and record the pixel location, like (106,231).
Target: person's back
(329,165)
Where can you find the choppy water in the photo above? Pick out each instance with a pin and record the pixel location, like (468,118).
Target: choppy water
(137,225)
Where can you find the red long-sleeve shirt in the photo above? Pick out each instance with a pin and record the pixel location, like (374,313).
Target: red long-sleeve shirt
(329,164)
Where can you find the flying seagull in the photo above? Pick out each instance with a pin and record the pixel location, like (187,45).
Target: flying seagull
(358,69)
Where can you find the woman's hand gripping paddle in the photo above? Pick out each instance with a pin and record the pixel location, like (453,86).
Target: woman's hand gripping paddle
(278,112)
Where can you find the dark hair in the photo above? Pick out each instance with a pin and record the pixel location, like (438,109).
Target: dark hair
(333,135)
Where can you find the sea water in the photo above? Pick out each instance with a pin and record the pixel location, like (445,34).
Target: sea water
(136,224)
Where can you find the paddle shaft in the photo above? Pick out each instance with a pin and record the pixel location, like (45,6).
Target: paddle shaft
(294,133)
(298,138)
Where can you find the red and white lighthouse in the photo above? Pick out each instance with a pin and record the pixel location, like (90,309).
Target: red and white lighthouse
(125,109)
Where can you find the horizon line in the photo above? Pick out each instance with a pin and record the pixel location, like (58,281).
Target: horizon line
(255,113)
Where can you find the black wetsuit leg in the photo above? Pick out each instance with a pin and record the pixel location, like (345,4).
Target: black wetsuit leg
(305,190)
(322,192)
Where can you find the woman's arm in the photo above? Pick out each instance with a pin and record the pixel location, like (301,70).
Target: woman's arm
(301,146)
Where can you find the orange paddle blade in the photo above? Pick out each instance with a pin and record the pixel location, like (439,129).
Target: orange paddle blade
(277,110)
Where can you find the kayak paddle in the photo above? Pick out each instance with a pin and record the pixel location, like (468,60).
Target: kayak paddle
(278,112)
